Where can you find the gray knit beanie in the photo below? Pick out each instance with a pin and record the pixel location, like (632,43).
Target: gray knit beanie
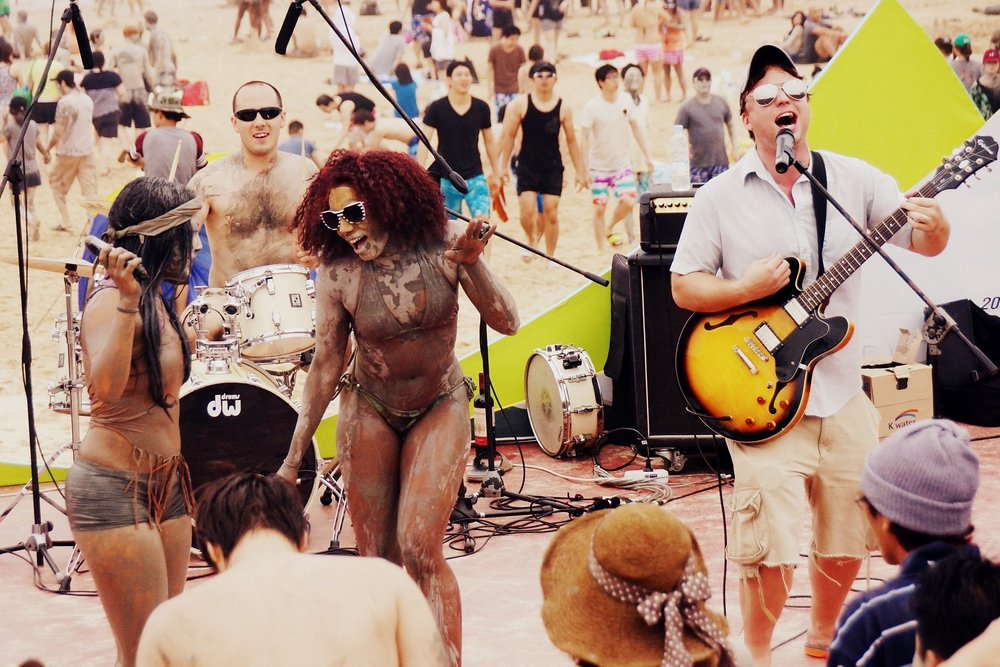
(924,478)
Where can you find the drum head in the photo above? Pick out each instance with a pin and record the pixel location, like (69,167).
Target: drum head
(232,425)
(545,405)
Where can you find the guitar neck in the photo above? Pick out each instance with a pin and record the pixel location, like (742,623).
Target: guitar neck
(817,293)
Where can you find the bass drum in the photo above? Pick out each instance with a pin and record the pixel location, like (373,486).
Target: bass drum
(234,418)
(563,399)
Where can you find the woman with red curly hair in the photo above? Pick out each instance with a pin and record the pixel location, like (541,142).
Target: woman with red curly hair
(391,264)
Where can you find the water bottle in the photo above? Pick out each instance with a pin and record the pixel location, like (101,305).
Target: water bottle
(680,161)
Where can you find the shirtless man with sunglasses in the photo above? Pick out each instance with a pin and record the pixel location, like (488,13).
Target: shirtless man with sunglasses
(250,197)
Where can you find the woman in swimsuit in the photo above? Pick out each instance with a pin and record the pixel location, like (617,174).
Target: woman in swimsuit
(391,267)
(128,492)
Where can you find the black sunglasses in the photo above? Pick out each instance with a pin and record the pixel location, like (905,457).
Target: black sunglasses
(248,115)
(353,213)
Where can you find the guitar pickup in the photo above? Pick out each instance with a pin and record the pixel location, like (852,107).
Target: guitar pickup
(767,337)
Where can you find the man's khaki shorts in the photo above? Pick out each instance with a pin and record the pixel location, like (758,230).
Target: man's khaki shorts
(819,461)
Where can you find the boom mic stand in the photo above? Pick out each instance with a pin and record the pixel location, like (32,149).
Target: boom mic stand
(938,315)
(39,541)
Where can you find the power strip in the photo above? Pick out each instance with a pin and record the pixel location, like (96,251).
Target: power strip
(646,474)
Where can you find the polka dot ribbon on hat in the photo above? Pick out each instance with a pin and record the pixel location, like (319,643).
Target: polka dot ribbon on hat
(675,609)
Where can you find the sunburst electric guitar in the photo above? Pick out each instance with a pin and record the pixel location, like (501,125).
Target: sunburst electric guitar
(746,371)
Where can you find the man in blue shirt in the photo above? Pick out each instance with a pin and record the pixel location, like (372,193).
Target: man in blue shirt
(918,487)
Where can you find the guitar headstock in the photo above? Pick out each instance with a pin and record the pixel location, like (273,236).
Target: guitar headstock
(975,154)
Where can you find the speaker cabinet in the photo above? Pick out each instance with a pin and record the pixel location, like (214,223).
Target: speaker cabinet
(654,324)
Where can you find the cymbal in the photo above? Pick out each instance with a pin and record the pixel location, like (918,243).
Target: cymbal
(57,264)
(96,206)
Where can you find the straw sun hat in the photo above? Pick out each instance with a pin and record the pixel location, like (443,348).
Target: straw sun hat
(643,554)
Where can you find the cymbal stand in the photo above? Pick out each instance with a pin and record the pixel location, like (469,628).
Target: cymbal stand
(329,478)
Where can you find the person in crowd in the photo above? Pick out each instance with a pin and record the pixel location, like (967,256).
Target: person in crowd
(345,104)
(72,142)
(966,69)
(689,15)
(628,586)
(503,17)
(945,47)
(459,120)
(24,37)
(389,52)
(645,19)
(390,274)
(131,61)
(405,89)
(605,121)
(538,118)
(162,56)
(443,37)
(795,37)
(708,122)
(346,71)
(956,600)
(536,54)
(730,253)
(369,133)
(297,144)
(250,197)
(128,494)
(167,150)
(505,59)
(29,162)
(820,39)
(672,32)
(986,90)
(632,86)
(104,87)
(919,513)
(254,534)
(28,72)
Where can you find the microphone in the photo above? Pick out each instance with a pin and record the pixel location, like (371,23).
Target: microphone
(96,245)
(82,38)
(287,27)
(783,155)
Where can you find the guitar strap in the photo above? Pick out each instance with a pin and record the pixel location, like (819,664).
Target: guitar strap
(819,207)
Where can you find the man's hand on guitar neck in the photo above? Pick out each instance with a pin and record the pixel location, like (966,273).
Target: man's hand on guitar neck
(764,277)
(931,229)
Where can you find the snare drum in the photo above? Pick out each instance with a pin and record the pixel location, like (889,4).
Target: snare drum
(563,398)
(233,419)
(278,311)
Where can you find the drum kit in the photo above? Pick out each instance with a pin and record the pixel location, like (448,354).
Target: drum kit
(236,411)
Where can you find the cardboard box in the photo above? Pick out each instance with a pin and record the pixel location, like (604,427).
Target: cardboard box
(903,394)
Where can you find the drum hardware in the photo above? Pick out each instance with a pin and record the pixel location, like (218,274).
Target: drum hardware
(71,387)
(330,479)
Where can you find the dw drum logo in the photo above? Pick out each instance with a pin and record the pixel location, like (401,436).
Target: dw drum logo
(226,405)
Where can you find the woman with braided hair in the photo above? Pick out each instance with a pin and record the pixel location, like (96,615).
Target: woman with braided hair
(128,493)
(391,265)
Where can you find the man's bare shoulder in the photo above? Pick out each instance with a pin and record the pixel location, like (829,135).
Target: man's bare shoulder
(216,170)
(288,163)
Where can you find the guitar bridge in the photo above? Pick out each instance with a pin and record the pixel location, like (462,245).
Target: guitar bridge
(746,360)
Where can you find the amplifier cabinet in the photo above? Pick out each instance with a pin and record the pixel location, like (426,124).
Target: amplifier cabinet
(662,212)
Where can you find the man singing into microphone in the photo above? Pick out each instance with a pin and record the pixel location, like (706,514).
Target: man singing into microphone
(741,225)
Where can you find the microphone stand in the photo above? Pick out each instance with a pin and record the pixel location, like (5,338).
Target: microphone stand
(39,541)
(940,317)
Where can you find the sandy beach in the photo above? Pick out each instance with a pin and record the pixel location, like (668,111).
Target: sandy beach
(199,31)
